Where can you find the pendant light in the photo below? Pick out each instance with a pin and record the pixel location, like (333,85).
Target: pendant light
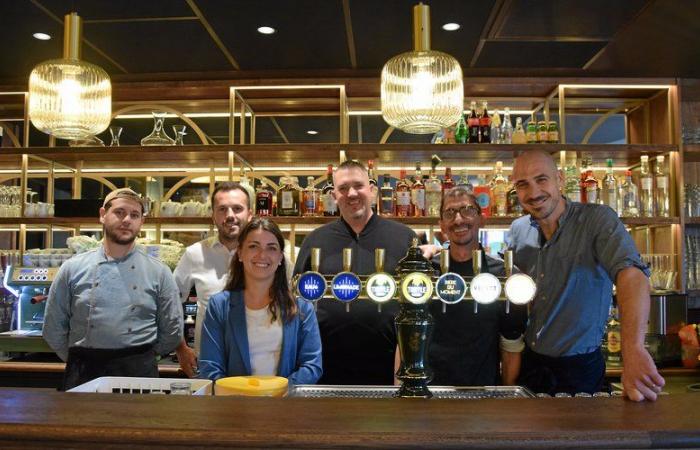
(422,91)
(70,98)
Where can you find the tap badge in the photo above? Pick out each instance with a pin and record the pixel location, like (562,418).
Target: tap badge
(451,288)
(311,286)
(346,286)
(381,287)
(417,288)
(485,288)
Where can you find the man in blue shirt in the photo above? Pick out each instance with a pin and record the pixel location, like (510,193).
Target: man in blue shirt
(111,310)
(576,252)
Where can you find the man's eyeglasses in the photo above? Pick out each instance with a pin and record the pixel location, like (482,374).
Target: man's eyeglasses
(464,211)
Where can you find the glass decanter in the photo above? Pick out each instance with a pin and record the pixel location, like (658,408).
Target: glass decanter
(158,136)
(87,141)
(180,134)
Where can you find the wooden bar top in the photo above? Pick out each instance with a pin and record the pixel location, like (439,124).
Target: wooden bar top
(40,419)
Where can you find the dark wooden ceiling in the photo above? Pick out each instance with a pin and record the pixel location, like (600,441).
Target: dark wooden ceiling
(156,40)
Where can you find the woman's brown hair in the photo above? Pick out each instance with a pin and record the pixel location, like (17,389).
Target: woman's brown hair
(281,295)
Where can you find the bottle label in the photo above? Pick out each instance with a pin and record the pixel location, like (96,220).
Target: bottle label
(531,136)
(329,204)
(614,342)
(662,182)
(287,200)
(310,202)
(553,136)
(403,198)
(591,195)
(418,197)
(646,183)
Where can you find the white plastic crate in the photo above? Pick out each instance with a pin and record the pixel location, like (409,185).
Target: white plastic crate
(135,385)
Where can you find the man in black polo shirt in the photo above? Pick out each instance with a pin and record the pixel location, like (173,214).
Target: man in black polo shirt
(358,346)
(466,346)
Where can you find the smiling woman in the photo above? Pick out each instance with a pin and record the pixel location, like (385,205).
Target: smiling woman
(255,326)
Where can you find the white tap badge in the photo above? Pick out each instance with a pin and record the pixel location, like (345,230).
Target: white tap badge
(520,289)
(485,288)
(381,287)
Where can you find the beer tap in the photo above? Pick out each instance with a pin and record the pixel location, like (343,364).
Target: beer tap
(346,286)
(380,286)
(476,266)
(450,288)
(311,285)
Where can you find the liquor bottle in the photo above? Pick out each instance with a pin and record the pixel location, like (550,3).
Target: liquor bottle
(330,208)
(387,196)
(506,128)
(629,195)
(585,162)
(572,186)
(662,195)
(500,191)
(514,207)
(418,194)
(372,182)
(484,124)
(532,130)
(496,137)
(473,124)
(519,136)
(245,182)
(484,197)
(461,132)
(433,195)
(403,196)
(552,132)
(591,185)
(311,199)
(464,181)
(288,198)
(609,190)
(614,340)
(448,183)
(263,200)
(646,193)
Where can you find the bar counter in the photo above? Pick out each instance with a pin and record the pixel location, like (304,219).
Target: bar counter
(40,419)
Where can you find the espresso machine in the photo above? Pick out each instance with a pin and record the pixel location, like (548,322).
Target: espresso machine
(30,285)
(413,286)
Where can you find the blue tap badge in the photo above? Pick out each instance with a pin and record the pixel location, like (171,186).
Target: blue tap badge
(451,288)
(346,286)
(311,286)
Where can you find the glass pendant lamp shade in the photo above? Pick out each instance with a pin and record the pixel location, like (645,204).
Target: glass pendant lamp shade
(70,98)
(422,91)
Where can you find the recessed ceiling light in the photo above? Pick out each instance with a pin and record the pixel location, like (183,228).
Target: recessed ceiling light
(451,26)
(42,36)
(312,132)
(266,30)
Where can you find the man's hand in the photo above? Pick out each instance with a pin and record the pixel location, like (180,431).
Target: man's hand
(187,359)
(430,250)
(640,379)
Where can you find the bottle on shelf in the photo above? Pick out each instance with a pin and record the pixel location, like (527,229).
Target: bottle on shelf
(506,127)
(591,186)
(499,187)
(552,132)
(609,189)
(473,124)
(519,136)
(572,187)
(388,207)
(403,196)
(288,198)
(613,353)
(531,134)
(542,132)
(464,181)
(514,207)
(330,208)
(461,131)
(484,124)
(448,183)
(585,162)
(263,200)
(433,195)
(646,193)
(418,193)
(373,182)
(483,195)
(662,193)
(311,199)
(496,137)
(629,195)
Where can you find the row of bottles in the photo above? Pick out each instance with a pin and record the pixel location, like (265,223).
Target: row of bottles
(293,201)
(484,128)
(650,199)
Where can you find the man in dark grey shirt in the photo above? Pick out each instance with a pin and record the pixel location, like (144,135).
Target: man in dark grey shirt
(576,252)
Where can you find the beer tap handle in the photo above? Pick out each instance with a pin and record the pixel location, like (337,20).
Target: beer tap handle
(444,308)
(315,259)
(347,259)
(347,307)
(476,261)
(444,261)
(379,256)
(476,307)
(508,262)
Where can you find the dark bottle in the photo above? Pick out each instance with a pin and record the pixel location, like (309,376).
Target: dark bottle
(263,200)
(330,208)
(387,196)
(485,125)
(372,182)
(473,124)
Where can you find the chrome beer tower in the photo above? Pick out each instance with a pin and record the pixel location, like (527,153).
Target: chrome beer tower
(413,286)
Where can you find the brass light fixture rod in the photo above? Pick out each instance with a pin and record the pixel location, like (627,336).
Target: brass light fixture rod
(421,27)
(72,35)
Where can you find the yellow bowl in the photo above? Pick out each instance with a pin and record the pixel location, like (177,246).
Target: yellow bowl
(253,385)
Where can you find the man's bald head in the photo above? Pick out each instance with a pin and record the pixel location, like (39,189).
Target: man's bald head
(538,185)
(532,156)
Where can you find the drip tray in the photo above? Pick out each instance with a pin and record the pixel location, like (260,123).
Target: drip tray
(444,392)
